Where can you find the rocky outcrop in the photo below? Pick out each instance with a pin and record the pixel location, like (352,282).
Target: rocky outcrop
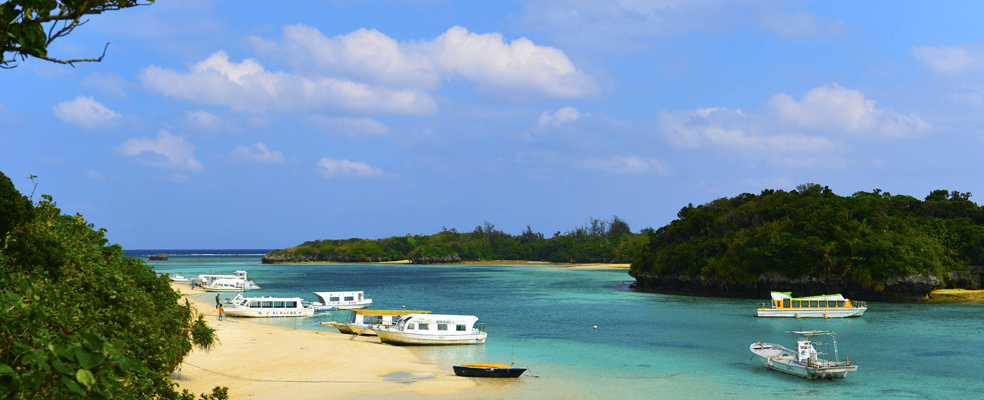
(281,258)
(158,257)
(909,288)
(969,279)
(448,259)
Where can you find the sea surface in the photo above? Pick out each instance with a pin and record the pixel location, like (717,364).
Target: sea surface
(586,334)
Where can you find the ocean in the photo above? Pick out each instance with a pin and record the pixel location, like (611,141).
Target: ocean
(645,345)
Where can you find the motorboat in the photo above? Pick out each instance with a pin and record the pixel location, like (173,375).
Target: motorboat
(179,279)
(805,361)
(488,370)
(343,300)
(237,282)
(360,321)
(433,329)
(240,306)
(824,306)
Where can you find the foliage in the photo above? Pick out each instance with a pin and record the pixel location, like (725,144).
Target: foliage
(598,241)
(868,236)
(78,319)
(28,27)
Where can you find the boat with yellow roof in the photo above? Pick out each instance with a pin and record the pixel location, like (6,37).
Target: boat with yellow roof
(823,306)
(361,320)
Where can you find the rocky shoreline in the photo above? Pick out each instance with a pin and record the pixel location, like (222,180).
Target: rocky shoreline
(909,288)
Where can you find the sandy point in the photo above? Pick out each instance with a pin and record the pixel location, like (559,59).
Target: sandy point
(266,362)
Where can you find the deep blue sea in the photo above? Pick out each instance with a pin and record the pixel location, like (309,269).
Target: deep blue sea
(645,346)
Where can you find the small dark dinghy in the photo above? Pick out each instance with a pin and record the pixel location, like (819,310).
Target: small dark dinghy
(489,370)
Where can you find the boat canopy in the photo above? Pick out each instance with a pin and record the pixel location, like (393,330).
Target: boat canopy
(788,296)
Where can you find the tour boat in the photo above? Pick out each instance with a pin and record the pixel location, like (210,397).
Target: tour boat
(241,306)
(433,329)
(488,370)
(343,300)
(805,361)
(361,320)
(179,279)
(236,282)
(824,306)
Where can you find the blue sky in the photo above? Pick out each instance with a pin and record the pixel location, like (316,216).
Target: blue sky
(257,125)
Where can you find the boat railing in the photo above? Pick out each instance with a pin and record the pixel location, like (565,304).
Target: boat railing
(480,326)
(859,304)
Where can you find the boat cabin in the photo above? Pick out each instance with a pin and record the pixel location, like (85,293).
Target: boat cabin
(344,300)
(380,317)
(783,300)
(435,324)
(241,306)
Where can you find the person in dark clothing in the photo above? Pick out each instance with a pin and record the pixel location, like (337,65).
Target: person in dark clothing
(217,302)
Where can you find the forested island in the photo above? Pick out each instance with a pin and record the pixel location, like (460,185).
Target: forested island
(870,245)
(598,241)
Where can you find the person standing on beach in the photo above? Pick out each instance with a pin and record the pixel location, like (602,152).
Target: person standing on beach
(217,302)
(221,313)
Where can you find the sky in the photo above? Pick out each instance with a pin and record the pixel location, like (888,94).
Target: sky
(236,125)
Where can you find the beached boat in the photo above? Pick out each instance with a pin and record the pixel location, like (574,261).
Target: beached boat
(825,306)
(805,361)
(433,329)
(488,370)
(238,281)
(361,320)
(179,279)
(241,306)
(343,300)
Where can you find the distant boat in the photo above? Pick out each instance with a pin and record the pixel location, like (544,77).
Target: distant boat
(488,370)
(237,282)
(241,306)
(343,300)
(360,321)
(805,361)
(433,329)
(824,306)
(179,279)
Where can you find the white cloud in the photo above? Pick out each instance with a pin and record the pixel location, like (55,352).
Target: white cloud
(838,108)
(257,153)
(86,112)
(204,120)
(950,59)
(247,86)
(331,168)
(798,25)
(95,176)
(177,178)
(352,127)
(560,116)
(731,129)
(167,151)
(628,165)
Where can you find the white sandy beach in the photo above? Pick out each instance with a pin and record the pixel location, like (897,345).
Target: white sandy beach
(264,362)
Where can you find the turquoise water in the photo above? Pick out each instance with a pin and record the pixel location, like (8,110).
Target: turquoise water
(645,345)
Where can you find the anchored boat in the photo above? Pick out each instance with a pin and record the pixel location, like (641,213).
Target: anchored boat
(433,329)
(488,370)
(805,361)
(824,306)
(241,306)
(237,282)
(342,300)
(360,322)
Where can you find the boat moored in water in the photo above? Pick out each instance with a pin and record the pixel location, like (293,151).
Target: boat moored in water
(343,300)
(240,306)
(360,322)
(237,282)
(433,329)
(805,361)
(488,370)
(824,306)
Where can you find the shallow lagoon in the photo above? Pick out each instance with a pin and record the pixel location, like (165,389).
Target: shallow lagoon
(646,345)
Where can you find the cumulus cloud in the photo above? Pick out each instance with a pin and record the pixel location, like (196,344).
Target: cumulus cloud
(352,127)
(838,108)
(257,153)
(950,59)
(560,116)
(331,168)
(628,165)
(732,129)
(86,112)
(166,151)
(247,86)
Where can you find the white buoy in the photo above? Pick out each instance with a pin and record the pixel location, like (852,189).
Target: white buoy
(596,326)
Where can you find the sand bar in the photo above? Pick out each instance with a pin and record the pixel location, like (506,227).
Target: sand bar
(266,362)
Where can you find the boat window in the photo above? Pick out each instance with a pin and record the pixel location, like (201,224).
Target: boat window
(267,304)
(254,304)
(422,327)
(333,299)
(796,303)
(278,304)
(813,303)
(442,327)
(785,303)
(823,303)
(360,296)
(373,319)
(459,328)
(410,326)
(349,298)
(840,303)
(775,304)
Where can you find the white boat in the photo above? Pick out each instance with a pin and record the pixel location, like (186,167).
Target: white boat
(433,329)
(824,306)
(360,322)
(179,279)
(343,300)
(236,282)
(805,361)
(241,306)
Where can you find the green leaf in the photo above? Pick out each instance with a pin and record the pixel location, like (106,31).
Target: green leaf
(86,378)
(89,360)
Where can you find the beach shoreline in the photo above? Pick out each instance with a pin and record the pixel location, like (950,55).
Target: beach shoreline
(260,361)
(492,262)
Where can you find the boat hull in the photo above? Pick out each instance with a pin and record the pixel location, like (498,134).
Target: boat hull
(810,313)
(779,358)
(416,339)
(355,329)
(488,371)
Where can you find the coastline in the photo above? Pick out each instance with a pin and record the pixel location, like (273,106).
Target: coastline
(267,362)
(491,262)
